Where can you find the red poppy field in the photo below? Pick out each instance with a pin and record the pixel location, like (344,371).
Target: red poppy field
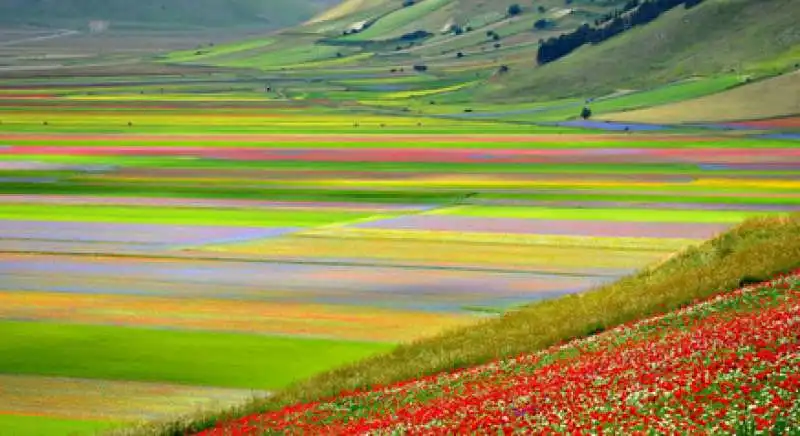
(728,364)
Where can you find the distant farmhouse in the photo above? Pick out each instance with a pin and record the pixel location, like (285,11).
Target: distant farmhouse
(98,26)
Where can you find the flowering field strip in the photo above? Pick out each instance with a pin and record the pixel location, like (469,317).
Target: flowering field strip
(452,252)
(396,289)
(205,203)
(411,148)
(789,123)
(106,400)
(717,365)
(599,214)
(347,322)
(154,235)
(275,217)
(572,241)
(585,227)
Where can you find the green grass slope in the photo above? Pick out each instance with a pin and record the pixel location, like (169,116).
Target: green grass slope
(275,13)
(763,99)
(717,36)
(750,252)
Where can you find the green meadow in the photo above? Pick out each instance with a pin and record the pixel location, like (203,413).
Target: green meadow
(19,425)
(175,215)
(186,357)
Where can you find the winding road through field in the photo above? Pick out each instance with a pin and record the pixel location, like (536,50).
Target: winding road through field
(61,33)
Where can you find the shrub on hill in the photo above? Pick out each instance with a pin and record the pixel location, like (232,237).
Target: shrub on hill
(542,24)
(416,35)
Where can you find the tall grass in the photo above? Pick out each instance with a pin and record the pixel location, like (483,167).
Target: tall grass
(753,251)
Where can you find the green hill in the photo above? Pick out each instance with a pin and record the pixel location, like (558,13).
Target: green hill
(467,41)
(275,13)
(732,105)
(715,37)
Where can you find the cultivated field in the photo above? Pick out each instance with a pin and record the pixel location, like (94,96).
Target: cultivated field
(178,235)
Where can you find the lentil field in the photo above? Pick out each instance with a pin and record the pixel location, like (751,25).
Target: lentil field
(163,248)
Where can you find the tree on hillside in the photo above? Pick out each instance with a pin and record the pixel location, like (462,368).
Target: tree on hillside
(586,113)
(514,9)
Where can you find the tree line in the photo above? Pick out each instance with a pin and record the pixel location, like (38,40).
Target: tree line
(634,13)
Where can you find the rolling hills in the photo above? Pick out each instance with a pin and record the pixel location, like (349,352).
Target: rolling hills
(480,54)
(272,13)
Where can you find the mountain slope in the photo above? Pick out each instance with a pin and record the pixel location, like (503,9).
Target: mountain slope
(276,13)
(717,36)
(770,98)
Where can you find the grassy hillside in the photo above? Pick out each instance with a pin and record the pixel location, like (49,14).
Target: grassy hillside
(718,36)
(751,252)
(732,105)
(464,44)
(674,373)
(275,13)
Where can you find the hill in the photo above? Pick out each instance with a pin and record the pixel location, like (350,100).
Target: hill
(273,13)
(763,99)
(688,362)
(715,37)
(750,253)
(479,53)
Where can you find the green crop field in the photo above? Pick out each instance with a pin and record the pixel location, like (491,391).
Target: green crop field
(182,215)
(204,359)
(45,426)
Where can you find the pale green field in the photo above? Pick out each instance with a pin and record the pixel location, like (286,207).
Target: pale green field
(17,425)
(187,357)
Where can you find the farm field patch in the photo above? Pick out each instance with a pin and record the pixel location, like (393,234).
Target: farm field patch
(185,216)
(170,239)
(173,356)
(362,283)
(245,315)
(37,425)
(108,403)
(616,214)
(449,252)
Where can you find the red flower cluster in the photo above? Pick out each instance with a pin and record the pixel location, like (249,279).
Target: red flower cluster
(719,365)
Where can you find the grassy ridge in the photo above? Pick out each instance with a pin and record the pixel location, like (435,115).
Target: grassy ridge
(715,36)
(753,251)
